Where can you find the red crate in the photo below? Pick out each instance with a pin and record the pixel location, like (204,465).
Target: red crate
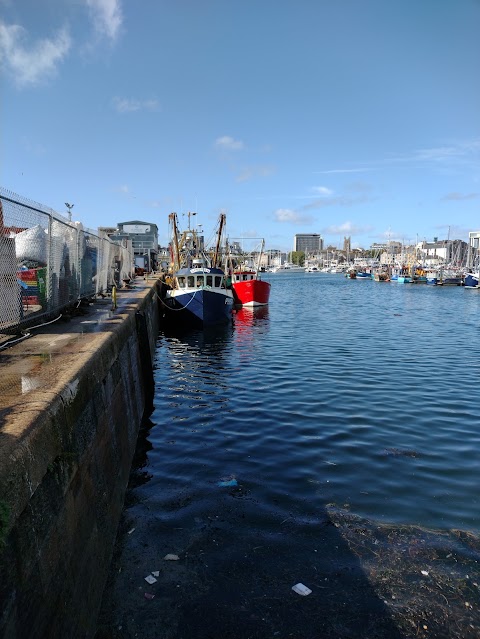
(30,275)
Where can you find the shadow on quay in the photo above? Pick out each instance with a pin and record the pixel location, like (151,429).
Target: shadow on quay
(237,565)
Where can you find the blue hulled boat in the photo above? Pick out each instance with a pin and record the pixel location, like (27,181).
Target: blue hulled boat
(472,280)
(198,294)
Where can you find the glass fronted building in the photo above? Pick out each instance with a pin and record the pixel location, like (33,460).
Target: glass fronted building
(309,243)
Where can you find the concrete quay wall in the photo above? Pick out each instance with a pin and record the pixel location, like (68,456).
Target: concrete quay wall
(72,397)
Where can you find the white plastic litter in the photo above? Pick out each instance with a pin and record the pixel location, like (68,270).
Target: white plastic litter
(301,589)
(171,557)
(150,579)
(31,244)
(156,573)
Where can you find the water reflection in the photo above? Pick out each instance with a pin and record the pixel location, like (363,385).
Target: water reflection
(251,325)
(250,315)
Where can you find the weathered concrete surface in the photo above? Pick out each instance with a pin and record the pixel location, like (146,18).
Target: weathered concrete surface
(72,397)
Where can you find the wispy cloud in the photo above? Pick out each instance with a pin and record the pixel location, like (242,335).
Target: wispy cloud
(106,16)
(130,105)
(453,153)
(346,228)
(329,171)
(290,216)
(33,148)
(447,152)
(455,197)
(340,200)
(227,143)
(28,63)
(124,189)
(250,172)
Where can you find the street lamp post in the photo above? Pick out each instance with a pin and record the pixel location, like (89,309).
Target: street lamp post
(69,207)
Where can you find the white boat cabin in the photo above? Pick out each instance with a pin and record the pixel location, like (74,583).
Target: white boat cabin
(200,280)
(244,276)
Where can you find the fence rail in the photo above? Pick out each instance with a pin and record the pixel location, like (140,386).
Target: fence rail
(48,263)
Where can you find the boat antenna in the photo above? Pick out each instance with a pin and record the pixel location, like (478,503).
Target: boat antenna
(190,215)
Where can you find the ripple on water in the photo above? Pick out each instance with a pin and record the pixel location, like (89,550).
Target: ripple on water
(350,392)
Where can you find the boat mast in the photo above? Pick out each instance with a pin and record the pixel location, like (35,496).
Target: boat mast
(260,253)
(221,224)
(172,218)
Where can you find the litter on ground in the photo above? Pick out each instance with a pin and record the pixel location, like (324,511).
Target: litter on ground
(301,589)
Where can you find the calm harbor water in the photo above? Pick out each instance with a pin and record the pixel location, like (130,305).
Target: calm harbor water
(342,395)
(341,391)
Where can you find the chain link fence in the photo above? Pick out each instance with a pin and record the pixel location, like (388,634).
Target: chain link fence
(48,263)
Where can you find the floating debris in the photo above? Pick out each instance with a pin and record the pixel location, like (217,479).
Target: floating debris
(398,452)
(228,481)
(156,573)
(171,557)
(301,589)
(148,595)
(150,579)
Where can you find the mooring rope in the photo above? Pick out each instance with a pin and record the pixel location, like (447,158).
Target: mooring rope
(176,309)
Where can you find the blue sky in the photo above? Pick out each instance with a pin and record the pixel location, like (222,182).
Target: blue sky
(339,117)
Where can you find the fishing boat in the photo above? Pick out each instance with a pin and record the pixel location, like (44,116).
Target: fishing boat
(472,279)
(248,287)
(198,294)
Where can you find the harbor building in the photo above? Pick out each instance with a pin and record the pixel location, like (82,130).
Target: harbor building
(446,251)
(473,257)
(309,243)
(144,237)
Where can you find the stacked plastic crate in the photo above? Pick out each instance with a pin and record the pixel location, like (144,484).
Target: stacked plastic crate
(33,286)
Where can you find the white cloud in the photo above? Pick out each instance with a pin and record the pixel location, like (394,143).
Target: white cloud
(228,143)
(290,216)
(31,64)
(322,190)
(129,105)
(107,17)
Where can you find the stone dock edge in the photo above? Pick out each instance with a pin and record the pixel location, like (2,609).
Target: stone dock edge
(73,396)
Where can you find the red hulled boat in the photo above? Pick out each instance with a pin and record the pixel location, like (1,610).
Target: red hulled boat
(248,288)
